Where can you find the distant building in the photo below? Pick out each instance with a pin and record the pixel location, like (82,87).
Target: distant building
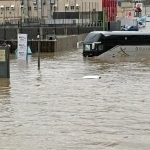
(44,9)
(111,9)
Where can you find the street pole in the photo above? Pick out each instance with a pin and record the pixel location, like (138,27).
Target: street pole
(54,19)
(145,12)
(38,37)
(4,25)
(78,19)
(103,20)
(65,23)
(82,13)
(145,8)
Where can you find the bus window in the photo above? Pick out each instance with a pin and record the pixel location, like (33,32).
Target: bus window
(99,47)
(86,47)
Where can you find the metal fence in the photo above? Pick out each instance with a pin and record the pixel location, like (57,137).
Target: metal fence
(90,18)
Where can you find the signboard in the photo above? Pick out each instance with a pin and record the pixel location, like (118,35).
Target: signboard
(2,55)
(22,46)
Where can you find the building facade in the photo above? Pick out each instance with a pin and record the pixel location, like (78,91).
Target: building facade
(44,9)
(110,6)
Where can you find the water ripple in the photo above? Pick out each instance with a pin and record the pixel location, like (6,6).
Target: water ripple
(55,108)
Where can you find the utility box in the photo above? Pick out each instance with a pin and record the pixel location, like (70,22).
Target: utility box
(4,61)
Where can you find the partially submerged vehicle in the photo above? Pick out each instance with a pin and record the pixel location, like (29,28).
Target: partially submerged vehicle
(130,28)
(116,43)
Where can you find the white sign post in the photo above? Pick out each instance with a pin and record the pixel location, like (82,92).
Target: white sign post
(22,46)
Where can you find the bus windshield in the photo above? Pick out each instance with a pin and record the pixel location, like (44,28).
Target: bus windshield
(92,37)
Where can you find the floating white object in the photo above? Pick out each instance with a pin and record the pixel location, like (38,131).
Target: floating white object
(91,77)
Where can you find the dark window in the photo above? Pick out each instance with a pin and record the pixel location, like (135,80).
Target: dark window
(92,37)
(72,7)
(29,8)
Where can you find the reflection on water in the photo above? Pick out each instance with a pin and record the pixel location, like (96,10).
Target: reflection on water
(54,108)
(4,87)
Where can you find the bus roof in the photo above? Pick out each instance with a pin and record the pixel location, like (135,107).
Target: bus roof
(106,33)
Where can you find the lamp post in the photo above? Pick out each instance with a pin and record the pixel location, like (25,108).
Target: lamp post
(4,23)
(78,7)
(57,9)
(104,19)
(65,21)
(82,12)
(21,21)
(145,6)
(89,11)
(38,37)
(54,18)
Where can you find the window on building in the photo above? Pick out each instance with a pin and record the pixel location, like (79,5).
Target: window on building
(72,7)
(7,8)
(29,8)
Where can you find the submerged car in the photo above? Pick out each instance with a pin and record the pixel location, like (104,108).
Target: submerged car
(130,28)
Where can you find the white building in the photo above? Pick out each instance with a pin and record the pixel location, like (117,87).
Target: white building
(43,9)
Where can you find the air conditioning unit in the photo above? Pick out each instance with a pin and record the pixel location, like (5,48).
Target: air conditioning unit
(66,6)
(34,2)
(55,6)
(77,6)
(21,6)
(52,2)
(12,7)
(22,2)
(35,7)
(44,2)
(2,7)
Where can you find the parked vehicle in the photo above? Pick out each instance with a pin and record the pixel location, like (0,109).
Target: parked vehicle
(130,28)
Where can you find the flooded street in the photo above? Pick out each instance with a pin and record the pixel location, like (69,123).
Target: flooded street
(56,109)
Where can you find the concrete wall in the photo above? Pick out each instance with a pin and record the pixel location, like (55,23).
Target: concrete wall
(11,33)
(115,26)
(62,44)
(68,43)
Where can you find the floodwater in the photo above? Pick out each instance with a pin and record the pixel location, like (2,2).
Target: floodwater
(54,108)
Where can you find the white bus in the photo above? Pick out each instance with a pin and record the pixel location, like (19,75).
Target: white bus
(116,43)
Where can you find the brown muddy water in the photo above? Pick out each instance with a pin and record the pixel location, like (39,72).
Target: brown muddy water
(55,108)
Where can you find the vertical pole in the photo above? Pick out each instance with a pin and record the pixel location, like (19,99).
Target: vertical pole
(92,14)
(65,22)
(89,12)
(38,37)
(145,12)
(4,24)
(54,17)
(85,14)
(57,10)
(95,14)
(103,20)
(82,12)
(21,20)
(78,19)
